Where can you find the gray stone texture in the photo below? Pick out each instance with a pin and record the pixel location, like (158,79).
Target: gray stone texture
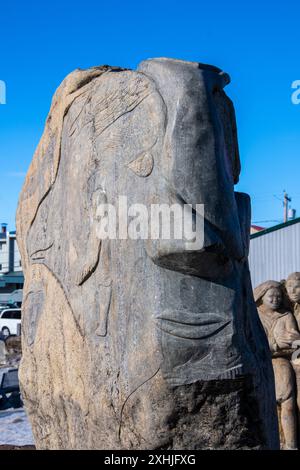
(141,344)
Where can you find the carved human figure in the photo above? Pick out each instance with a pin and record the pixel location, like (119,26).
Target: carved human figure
(281,329)
(292,286)
(141,343)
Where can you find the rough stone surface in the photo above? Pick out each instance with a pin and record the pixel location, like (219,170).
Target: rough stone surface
(141,344)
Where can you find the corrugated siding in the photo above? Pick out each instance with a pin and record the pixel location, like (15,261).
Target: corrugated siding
(275,255)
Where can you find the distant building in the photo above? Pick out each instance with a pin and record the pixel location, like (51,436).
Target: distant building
(11,274)
(256,228)
(275,252)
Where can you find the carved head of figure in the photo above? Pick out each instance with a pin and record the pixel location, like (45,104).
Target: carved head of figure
(269,296)
(292,286)
(273,298)
(164,134)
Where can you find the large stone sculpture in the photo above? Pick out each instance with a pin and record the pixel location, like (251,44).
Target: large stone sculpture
(141,344)
(281,328)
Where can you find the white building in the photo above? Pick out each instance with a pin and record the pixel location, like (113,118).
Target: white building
(275,252)
(11,274)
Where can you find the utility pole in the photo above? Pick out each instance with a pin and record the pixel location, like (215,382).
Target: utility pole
(286,201)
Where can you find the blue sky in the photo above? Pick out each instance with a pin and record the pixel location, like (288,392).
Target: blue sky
(257,43)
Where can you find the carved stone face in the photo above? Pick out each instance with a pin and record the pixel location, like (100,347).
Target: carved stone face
(112,328)
(199,161)
(293,290)
(144,147)
(164,134)
(272,299)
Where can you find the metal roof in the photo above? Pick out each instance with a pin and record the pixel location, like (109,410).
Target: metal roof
(275,252)
(275,227)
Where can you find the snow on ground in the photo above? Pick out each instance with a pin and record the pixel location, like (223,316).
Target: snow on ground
(15,428)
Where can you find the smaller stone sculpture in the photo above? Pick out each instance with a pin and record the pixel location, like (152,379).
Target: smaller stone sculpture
(282,331)
(292,287)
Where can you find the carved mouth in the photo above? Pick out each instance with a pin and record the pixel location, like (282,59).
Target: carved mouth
(275,306)
(191,325)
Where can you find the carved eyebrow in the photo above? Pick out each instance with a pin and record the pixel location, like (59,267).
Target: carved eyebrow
(42,250)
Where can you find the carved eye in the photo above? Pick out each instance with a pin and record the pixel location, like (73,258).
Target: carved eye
(143,165)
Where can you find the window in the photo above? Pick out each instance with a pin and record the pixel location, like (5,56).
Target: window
(6,315)
(11,315)
(16,315)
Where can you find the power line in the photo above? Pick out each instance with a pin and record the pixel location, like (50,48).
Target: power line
(266,221)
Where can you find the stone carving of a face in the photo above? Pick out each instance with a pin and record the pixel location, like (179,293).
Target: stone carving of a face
(293,287)
(273,299)
(200,162)
(112,326)
(141,143)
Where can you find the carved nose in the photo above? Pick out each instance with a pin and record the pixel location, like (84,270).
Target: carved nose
(213,243)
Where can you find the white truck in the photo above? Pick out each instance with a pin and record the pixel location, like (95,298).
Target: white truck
(10,318)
